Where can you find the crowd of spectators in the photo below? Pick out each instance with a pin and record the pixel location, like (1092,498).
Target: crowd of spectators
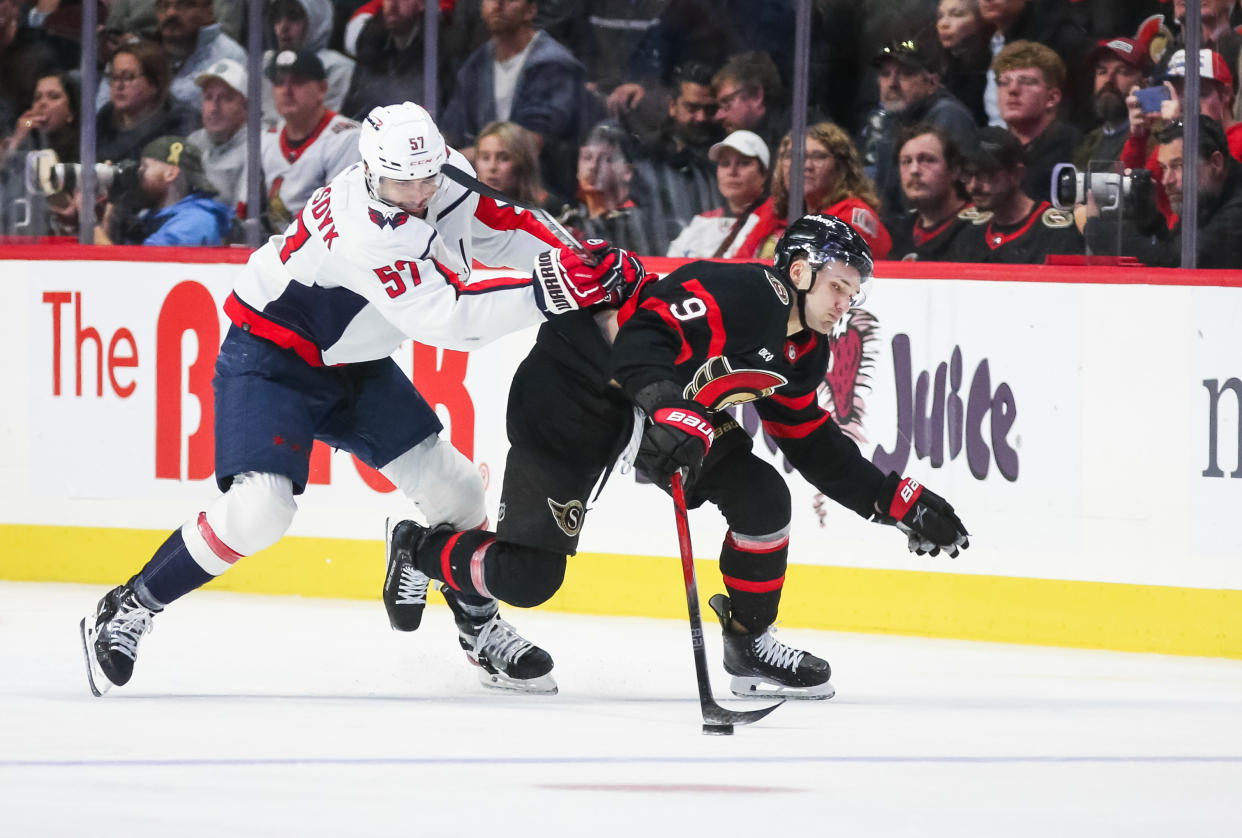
(936,128)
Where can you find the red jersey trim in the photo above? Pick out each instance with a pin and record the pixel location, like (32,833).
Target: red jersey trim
(922,236)
(714,318)
(507,218)
(800,431)
(292,154)
(252,321)
(661,308)
(1006,238)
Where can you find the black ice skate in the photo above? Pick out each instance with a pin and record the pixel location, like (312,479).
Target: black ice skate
(405,586)
(506,660)
(762,666)
(110,636)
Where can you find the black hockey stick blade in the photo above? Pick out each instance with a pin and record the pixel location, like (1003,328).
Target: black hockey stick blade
(548,219)
(717,720)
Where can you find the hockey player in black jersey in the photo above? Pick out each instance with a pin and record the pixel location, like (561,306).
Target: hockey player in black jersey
(707,336)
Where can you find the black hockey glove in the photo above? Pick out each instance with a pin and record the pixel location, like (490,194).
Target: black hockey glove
(678,437)
(926,518)
(625,276)
(567,280)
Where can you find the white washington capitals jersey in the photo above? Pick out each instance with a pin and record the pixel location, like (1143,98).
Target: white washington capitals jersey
(352,278)
(292,174)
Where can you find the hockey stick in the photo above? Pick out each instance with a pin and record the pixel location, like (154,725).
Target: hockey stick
(546,218)
(716,719)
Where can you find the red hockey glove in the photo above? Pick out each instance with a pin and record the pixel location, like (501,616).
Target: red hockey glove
(625,275)
(678,437)
(926,518)
(567,280)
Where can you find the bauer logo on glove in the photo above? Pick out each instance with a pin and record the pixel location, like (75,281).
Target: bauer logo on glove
(928,520)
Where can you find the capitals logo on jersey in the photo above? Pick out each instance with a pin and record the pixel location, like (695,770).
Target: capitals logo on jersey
(382,220)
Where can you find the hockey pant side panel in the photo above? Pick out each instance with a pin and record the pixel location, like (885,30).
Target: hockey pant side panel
(754,499)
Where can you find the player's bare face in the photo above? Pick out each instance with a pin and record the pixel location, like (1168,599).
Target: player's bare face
(829,298)
(409,195)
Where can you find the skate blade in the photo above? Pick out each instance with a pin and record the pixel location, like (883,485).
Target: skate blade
(746,687)
(94,675)
(543,685)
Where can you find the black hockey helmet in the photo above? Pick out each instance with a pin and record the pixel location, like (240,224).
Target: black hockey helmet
(823,239)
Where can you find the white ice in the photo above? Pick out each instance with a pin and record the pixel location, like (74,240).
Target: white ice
(273,716)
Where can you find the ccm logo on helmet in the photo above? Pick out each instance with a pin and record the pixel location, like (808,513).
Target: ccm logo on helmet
(688,422)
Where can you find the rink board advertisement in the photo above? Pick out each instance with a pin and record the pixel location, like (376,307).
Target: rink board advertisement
(1086,431)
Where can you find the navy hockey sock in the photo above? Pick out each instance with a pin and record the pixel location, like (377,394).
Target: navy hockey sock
(170,574)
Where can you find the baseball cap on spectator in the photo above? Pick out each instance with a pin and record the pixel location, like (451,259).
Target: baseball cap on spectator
(302,63)
(228,71)
(746,143)
(922,55)
(1127,49)
(996,149)
(1212,65)
(177,151)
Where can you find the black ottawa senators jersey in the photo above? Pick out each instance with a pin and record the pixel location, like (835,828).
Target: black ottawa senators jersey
(1042,232)
(912,242)
(709,310)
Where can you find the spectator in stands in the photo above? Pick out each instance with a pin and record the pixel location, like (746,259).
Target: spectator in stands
(910,93)
(750,97)
(1012,227)
(137,17)
(390,59)
(606,208)
(1030,78)
(1119,65)
(194,41)
(306,24)
(25,57)
(742,164)
(178,207)
(673,169)
(139,108)
(612,33)
(1218,32)
(968,56)
(1220,204)
(1026,20)
(834,183)
(931,172)
(311,145)
(50,122)
(521,75)
(221,141)
(1216,96)
(507,159)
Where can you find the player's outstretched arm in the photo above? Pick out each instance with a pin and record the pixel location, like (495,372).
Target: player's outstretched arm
(927,519)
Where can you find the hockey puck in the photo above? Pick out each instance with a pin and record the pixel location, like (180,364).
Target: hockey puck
(718,730)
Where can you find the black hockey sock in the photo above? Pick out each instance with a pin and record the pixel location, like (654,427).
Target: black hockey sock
(754,578)
(456,558)
(170,574)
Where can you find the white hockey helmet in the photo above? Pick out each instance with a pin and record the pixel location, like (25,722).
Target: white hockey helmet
(400,142)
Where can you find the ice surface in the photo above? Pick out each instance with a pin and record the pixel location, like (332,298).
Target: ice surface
(272,716)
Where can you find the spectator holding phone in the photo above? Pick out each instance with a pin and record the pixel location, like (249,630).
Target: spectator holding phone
(1216,94)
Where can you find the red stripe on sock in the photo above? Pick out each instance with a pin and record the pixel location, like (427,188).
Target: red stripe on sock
(446,566)
(755,587)
(223,551)
(476,568)
(753,545)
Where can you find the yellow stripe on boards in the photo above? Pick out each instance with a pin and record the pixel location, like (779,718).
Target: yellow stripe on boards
(1132,618)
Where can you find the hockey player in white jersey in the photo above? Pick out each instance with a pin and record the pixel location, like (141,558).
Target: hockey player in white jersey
(381,254)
